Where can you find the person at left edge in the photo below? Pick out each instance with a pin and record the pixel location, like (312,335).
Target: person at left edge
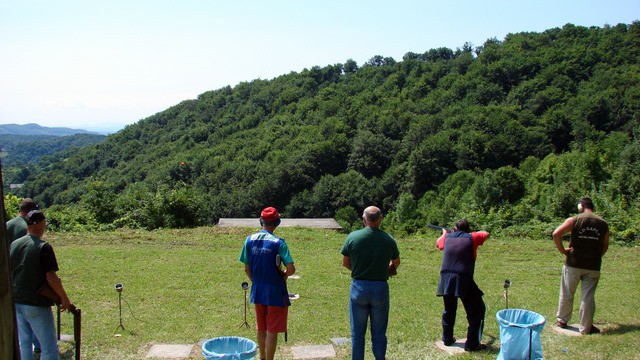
(17,227)
(34,264)
(261,254)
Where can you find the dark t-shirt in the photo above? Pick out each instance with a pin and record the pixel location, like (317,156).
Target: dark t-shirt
(16,228)
(587,241)
(48,259)
(31,259)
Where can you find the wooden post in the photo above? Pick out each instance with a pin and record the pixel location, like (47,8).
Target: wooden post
(9,335)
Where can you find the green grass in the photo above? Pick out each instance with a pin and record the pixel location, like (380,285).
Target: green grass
(181,286)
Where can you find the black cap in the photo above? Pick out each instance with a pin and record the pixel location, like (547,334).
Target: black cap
(34,217)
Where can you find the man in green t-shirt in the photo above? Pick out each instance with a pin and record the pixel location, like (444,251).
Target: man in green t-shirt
(17,227)
(372,255)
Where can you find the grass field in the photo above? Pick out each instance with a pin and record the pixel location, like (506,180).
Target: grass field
(181,286)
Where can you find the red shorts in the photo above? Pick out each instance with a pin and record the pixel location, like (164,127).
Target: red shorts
(271,319)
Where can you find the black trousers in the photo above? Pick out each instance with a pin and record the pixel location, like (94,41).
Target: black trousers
(475,309)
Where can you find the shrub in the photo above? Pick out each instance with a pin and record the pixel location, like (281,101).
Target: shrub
(11,204)
(72,218)
(348,218)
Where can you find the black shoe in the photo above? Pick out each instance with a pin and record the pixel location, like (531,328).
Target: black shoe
(562,325)
(593,330)
(449,343)
(477,348)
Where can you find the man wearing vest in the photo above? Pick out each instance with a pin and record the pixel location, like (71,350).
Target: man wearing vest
(583,258)
(262,254)
(34,264)
(372,255)
(17,228)
(456,281)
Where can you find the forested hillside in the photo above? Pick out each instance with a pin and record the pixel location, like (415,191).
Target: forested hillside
(26,154)
(511,132)
(30,149)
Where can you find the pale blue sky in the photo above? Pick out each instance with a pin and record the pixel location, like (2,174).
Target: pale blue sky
(100,65)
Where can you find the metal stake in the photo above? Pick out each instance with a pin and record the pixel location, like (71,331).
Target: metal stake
(245,286)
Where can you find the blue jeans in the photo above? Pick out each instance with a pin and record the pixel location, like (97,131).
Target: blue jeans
(369,299)
(36,322)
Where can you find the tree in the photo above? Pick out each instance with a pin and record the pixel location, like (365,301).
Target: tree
(371,153)
(100,201)
(495,189)
(350,66)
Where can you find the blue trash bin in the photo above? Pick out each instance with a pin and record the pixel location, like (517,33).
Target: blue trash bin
(520,334)
(229,348)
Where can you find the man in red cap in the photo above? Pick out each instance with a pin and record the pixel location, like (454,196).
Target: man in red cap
(262,254)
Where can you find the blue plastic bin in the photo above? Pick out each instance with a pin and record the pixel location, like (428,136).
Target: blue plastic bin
(229,348)
(520,334)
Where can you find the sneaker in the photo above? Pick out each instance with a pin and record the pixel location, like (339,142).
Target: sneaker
(593,330)
(561,324)
(477,348)
(449,343)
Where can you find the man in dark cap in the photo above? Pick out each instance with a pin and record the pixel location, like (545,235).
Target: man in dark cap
(583,258)
(34,266)
(456,281)
(17,227)
(262,254)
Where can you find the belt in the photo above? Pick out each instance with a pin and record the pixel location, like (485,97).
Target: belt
(361,279)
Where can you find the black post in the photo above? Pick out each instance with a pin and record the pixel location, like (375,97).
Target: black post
(120,306)
(58,313)
(77,330)
(245,286)
(530,349)
(506,298)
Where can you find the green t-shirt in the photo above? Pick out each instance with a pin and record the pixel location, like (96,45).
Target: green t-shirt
(16,228)
(370,250)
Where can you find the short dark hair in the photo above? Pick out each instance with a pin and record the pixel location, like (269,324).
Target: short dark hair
(27,205)
(587,203)
(463,225)
(274,223)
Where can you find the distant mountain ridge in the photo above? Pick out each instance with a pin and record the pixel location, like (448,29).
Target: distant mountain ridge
(35,129)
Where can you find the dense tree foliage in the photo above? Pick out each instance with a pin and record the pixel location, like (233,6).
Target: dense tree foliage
(24,154)
(508,133)
(30,149)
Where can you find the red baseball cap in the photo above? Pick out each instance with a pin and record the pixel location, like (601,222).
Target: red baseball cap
(269,214)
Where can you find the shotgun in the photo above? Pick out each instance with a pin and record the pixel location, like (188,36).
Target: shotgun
(49,293)
(436,227)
